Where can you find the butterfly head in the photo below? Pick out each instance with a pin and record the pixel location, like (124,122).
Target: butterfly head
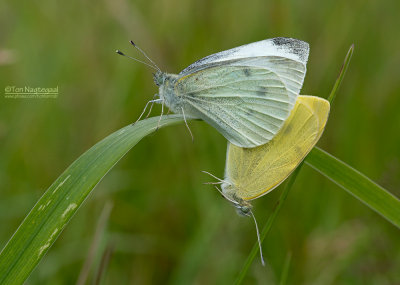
(159,78)
(243,208)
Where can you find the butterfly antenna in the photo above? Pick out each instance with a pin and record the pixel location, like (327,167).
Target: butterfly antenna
(258,238)
(145,55)
(184,118)
(135,59)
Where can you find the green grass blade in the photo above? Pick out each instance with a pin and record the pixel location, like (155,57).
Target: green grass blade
(285,270)
(357,184)
(342,72)
(55,208)
(268,225)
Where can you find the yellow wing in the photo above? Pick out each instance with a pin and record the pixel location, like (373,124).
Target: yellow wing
(256,171)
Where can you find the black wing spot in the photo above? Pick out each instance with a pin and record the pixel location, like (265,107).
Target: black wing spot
(249,112)
(288,129)
(247,72)
(261,91)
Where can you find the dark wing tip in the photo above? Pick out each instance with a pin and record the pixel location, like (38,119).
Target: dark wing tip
(295,46)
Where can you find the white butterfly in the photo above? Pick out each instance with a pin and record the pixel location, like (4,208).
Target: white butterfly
(246,93)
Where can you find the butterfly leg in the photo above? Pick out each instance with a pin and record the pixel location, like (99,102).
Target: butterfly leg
(220,181)
(213,176)
(184,118)
(162,112)
(145,107)
(213,183)
(151,106)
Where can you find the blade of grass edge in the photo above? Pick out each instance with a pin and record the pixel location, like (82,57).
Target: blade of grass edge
(342,72)
(357,184)
(59,203)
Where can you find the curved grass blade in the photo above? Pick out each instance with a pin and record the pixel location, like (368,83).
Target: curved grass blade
(357,184)
(55,208)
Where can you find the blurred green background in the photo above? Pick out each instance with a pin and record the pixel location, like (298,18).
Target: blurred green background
(165,226)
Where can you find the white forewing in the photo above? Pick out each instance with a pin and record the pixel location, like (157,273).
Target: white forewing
(246,93)
(280,47)
(286,57)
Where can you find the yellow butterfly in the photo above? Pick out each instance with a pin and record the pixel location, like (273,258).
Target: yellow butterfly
(253,172)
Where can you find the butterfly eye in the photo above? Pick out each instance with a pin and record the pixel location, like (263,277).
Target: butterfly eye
(159,78)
